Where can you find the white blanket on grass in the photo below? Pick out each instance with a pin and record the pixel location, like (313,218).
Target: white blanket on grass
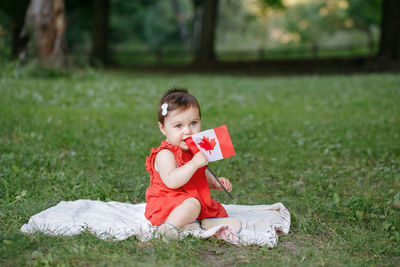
(261,224)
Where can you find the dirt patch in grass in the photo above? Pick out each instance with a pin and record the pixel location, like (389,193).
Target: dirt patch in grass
(291,246)
(222,254)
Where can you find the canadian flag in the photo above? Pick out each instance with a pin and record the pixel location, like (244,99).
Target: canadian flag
(215,143)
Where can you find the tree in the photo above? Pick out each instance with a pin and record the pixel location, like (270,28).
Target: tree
(145,24)
(311,23)
(14,11)
(206,50)
(389,50)
(159,27)
(79,35)
(18,43)
(44,28)
(100,31)
(206,45)
(365,15)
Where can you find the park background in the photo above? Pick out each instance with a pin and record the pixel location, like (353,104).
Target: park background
(309,90)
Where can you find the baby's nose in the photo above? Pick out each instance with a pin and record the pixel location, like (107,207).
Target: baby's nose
(187,131)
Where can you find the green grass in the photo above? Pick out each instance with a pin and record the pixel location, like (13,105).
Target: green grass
(327,147)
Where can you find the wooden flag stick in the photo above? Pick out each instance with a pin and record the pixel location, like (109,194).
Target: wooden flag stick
(223,187)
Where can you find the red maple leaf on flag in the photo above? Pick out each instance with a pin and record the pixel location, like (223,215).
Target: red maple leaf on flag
(207,144)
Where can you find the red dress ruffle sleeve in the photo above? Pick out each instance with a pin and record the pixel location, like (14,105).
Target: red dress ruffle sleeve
(161,200)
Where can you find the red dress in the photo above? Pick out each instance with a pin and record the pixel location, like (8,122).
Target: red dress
(161,200)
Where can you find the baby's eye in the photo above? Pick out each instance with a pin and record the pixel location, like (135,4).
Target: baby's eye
(194,123)
(178,125)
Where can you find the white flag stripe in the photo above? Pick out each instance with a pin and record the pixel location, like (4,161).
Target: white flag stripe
(216,152)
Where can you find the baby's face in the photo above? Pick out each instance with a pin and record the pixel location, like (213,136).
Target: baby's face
(179,125)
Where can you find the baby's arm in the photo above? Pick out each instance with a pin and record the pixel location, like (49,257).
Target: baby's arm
(173,176)
(213,184)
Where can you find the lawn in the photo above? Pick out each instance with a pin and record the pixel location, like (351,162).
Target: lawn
(327,147)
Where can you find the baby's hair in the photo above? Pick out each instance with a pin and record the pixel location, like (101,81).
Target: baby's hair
(177,98)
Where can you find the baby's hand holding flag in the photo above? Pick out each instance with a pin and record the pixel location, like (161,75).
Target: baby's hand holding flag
(215,143)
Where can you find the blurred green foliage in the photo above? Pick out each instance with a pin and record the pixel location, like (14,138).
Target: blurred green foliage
(318,19)
(272,3)
(248,26)
(141,23)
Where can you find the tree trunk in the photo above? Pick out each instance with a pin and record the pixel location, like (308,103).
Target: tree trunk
(206,52)
(18,22)
(389,50)
(100,31)
(45,26)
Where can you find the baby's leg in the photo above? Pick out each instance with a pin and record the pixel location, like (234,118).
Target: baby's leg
(185,213)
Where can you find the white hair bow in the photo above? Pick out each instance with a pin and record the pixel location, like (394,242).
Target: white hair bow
(164,108)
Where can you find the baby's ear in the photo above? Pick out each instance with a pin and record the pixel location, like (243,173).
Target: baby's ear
(162,129)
